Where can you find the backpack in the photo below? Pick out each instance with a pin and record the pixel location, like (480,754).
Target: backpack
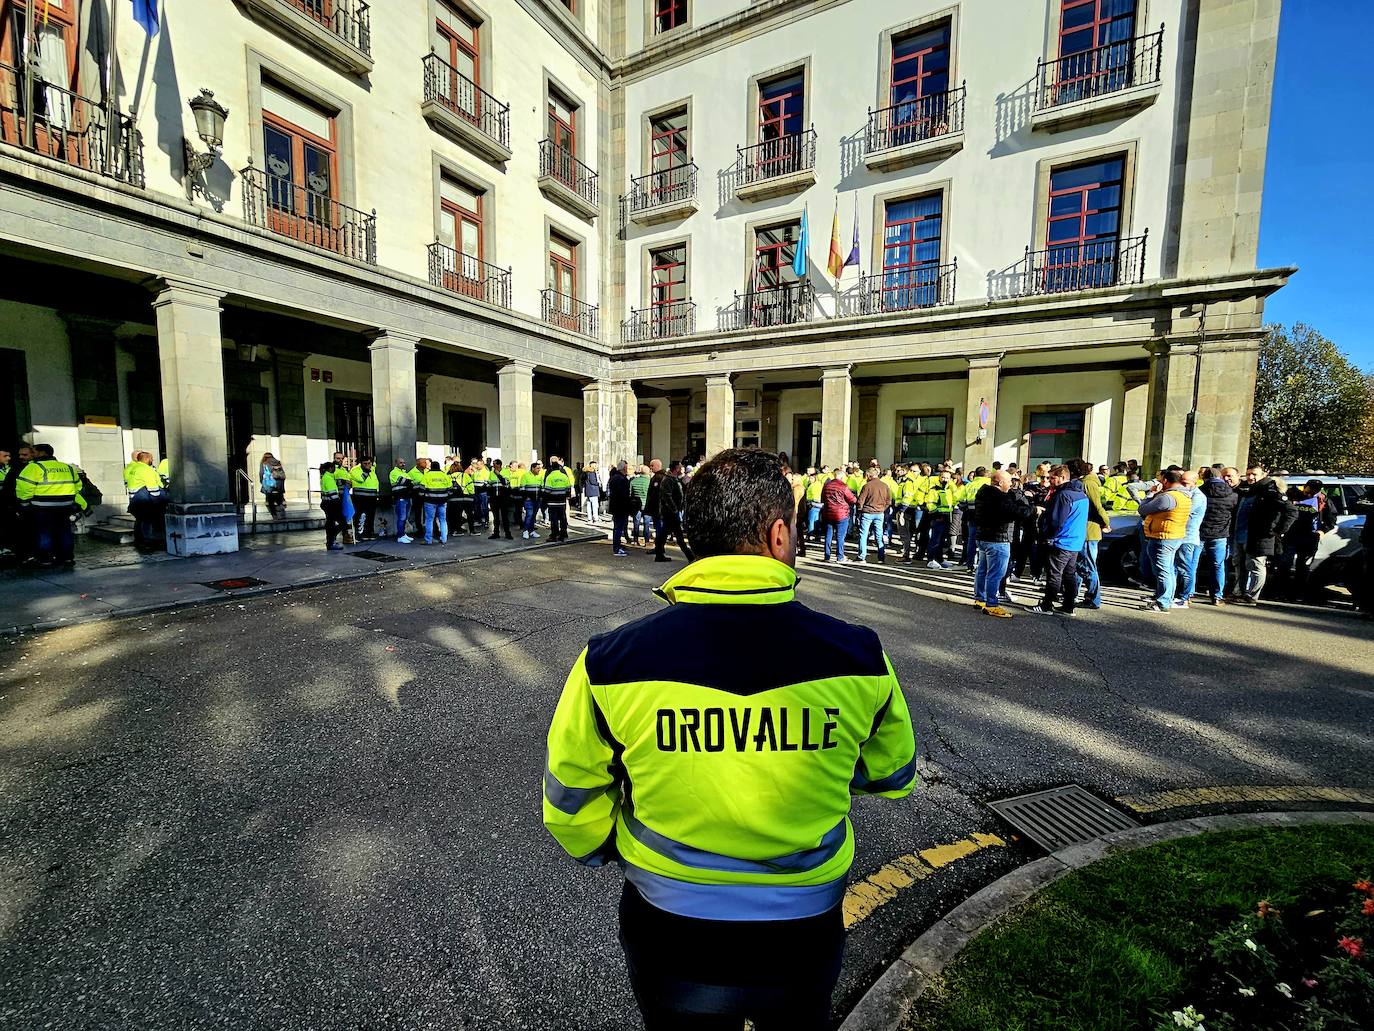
(90,491)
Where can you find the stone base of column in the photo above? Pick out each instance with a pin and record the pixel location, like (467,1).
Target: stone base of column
(208,529)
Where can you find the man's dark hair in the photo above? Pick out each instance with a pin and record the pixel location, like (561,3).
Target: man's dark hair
(1172,475)
(733,499)
(982,470)
(996,466)
(1078,468)
(1173,469)
(43,449)
(674,467)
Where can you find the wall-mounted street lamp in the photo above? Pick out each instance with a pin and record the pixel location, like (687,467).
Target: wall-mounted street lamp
(209,115)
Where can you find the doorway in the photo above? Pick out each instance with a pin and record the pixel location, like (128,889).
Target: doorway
(238,432)
(557,439)
(352,429)
(14,402)
(467,431)
(806,442)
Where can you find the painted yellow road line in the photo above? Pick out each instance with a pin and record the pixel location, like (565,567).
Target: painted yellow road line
(1157,801)
(890,879)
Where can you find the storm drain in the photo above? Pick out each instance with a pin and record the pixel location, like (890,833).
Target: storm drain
(377,556)
(1060,817)
(234,583)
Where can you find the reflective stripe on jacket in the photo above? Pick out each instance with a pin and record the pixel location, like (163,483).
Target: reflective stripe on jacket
(48,483)
(742,762)
(557,486)
(364,483)
(401,483)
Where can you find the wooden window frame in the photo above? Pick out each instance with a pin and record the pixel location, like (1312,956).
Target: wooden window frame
(12,125)
(1099,24)
(909,413)
(919,78)
(300,224)
(457,281)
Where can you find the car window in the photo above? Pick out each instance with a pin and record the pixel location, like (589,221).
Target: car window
(1353,493)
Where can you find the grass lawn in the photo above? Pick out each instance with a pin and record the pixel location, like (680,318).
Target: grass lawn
(1112,946)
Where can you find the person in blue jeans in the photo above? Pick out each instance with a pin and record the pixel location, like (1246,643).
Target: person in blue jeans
(1099,519)
(836,501)
(1190,551)
(874,501)
(995,512)
(1164,521)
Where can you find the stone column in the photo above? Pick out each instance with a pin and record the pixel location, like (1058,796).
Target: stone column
(983,375)
(1225,403)
(720,413)
(868,423)
(201,519)
(835,408)
(609,422)
(422,433)
(679,421)
(516,389)
(1173,371)
(770,401)
(1134,415)
(393,400)
(288,377)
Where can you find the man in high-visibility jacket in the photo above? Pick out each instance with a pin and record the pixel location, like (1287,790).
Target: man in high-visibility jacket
(503,500)
(939,507)
(557,486)
(147,499)
(433,491)
(164,472)
(460,500)
(482,489)
(50,491)
(736,838)
(365,491)
(977,482)
(889,479)
(815,483)
(531,487)
(402,492)
(331,504)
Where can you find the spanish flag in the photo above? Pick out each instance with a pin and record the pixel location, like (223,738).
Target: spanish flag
(836,263)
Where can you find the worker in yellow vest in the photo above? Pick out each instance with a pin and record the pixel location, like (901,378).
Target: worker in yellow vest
(889,479)
(331,504)
(365,493)
(939,507)
(815,482)
(967,493)
(147,500)
(50,493)
(482,490)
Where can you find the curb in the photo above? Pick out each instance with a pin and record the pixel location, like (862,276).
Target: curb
(16,629)
(885,1005)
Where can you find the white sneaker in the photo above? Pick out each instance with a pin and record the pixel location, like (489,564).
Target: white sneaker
(534,534)
(932,564)
(403,539)
(525,534)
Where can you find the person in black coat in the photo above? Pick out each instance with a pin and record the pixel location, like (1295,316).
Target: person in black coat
(670,503)
(618,501)
(997,509)
(1271,514)
(1218,524)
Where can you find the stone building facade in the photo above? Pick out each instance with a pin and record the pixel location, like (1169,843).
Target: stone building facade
(573,227)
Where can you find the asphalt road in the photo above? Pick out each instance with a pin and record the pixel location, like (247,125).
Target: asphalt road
(321,809)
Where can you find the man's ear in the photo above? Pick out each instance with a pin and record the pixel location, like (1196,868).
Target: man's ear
(782,543)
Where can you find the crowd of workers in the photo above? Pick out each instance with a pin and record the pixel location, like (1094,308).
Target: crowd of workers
(1207,533)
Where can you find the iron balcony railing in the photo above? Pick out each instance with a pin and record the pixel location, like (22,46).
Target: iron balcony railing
(905,289)
(68,128)
(350,20)
(1063,268)
(468,275)
(568,312)
(783,305)
(916,120)
(308,216)
(675,185)
(559,163)
(445,85)
(660,321)
(773,158)
(1100,71)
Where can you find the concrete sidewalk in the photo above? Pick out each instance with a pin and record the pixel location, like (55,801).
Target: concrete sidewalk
(115,580)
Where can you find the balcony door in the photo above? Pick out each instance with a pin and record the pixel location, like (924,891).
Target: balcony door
(782,106)
(60,128)
(563,281)
(1082,237)
(668,290)
(461,231)
(457,42)
(668,157)
(775,288)
(300,151)
(563,135)
(911,252)
(1095,48)
(920,86)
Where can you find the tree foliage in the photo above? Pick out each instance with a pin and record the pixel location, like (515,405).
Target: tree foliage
(1314,409)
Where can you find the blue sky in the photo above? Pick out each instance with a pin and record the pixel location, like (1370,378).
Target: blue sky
(1318,213)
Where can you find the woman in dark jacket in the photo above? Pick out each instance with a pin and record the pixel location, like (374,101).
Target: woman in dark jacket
(836,502)
(1218,522)
(618,501)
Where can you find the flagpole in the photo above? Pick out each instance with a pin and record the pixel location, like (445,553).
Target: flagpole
(28,76)
(112,127)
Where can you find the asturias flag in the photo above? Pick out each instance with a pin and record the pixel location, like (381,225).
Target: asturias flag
(836,263)
(145,13)
(803,245)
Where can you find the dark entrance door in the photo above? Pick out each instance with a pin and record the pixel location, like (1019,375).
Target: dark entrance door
(14,400)
(466,434)
(807,446)
(557,439)
(696,441)
(238,425)
(353,427)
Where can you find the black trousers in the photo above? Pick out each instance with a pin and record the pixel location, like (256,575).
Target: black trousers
(703,975)
(460,511)
(558,521)
(923,534)
(501,509)
(333,520)
(364,515)
(671,526)
(1061,578)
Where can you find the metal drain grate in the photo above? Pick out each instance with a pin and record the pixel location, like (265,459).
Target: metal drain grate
(1061,817)
(377,556)
(234,583)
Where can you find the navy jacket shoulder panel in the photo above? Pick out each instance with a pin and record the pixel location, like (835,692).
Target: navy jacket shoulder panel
(739,649)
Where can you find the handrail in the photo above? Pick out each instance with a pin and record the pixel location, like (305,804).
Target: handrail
(560,163)
(1066,267)
(251,497)
(568,312)
(924,286)
(446,85)
(674,319)
(68,128)
(666,186)
(351,23)
(915,120)
(795,152)
(1104,69)
(468,275)
(307,215)
(783,305)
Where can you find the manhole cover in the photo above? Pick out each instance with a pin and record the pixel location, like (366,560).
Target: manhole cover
(377,556)
(233,583)
(1061,817)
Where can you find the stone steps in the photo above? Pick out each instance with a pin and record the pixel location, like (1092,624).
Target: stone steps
(119,528)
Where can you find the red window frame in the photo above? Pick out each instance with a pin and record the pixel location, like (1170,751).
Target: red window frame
(564,307)
(1084,212)
(1101,22)
(772,261)
(302,219)
(661,297)
(920,57)
(563,134)
(11,123)
(471,111)
(911,242)
(670,143)
(669,15)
